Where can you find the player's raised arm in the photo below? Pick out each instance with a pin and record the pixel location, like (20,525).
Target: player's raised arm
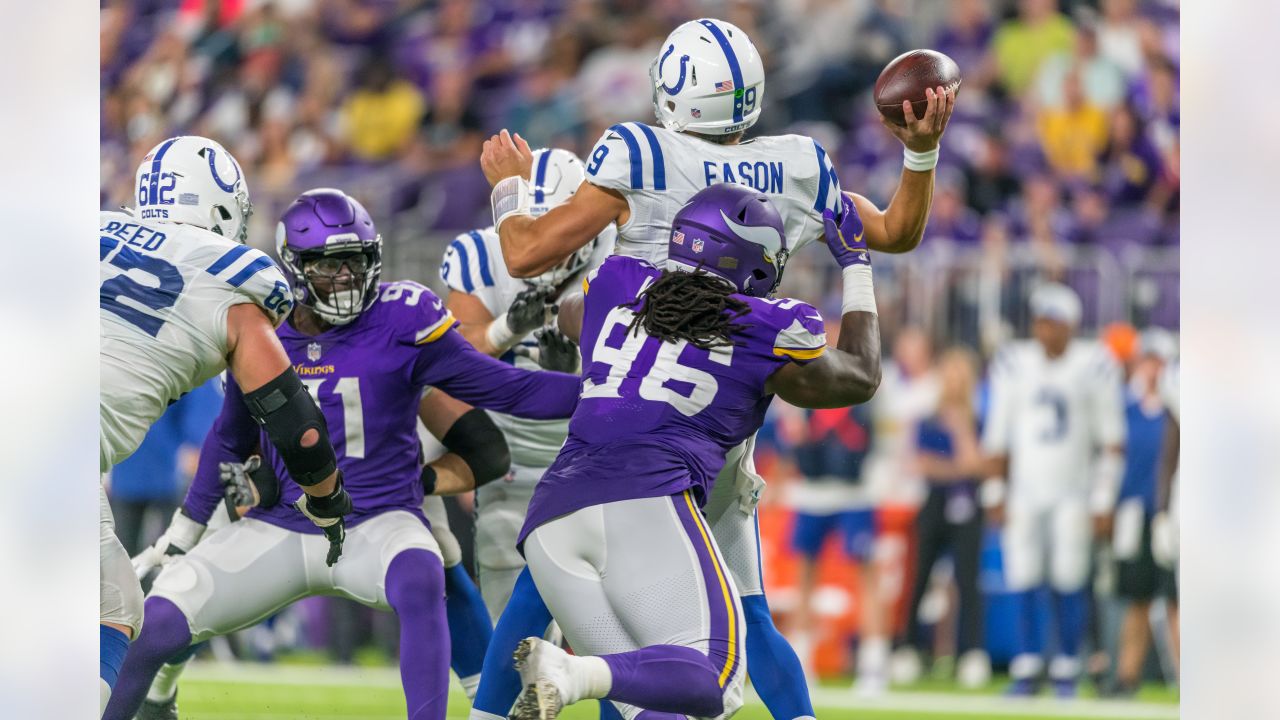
(900,226)
(277,400)
(477,450)
(532,245)
(851,373)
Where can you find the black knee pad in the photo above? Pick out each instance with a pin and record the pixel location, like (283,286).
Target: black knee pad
(286,411)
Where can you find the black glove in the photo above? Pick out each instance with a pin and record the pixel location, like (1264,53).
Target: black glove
(249,484)
(326,512)
(528,311)
(237,488)
(556,351)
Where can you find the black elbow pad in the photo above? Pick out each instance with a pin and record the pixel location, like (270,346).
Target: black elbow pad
(286,411)
(474,438)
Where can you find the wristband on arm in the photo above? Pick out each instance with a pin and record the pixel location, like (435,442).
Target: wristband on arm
(919,161)
(509,197)
(859,293)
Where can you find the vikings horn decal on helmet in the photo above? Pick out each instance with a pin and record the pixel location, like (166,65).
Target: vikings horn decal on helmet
(707,78)
(194,181)
(556,176)
(332,254)
(733,232)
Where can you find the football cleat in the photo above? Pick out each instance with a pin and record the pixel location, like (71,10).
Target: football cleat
(905,667)
(150,710)
(1065,689)
(545,674)
(1023,687)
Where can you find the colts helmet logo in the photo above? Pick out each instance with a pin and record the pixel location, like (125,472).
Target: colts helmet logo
(313,351)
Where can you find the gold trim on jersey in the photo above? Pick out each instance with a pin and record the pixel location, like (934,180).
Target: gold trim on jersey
(799,354)
(434,334)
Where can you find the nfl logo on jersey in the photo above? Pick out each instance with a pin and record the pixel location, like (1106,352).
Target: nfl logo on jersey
(677,237)
(313,351)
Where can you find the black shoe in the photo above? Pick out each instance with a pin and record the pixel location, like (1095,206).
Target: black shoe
(167,710)
(1120,690)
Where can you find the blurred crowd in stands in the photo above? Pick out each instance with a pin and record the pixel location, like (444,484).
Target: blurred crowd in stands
(1066,136)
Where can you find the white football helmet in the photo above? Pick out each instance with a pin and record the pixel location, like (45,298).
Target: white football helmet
(707,78)
(557,174)
(195,181)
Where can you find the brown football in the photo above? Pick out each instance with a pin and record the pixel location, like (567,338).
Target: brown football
(907,77)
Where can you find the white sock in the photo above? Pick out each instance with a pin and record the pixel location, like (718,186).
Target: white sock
(1025,666)
(104,695)
(469,686)
(1064,667)
(873,655)
(591,677)
(165,684)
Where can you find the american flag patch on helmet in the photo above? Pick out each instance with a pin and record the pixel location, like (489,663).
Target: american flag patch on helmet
(677,237)
(724,86)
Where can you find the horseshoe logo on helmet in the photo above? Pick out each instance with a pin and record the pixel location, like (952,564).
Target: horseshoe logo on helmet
(684,62)
(213,168)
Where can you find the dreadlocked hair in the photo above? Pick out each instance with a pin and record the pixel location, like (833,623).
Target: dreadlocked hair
(696,306)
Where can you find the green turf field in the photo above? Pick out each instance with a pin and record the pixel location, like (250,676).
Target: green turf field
(274,692)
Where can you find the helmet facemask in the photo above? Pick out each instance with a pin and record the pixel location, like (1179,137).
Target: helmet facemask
(340,282)
(224,219)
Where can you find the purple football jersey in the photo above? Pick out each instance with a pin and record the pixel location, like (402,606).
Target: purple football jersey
(368,377)
(657,418)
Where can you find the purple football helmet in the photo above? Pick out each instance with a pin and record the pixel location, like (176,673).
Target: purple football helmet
(733,232)
(327,235)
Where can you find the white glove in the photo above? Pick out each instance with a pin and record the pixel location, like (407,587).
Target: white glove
(1164,540)
(179,539)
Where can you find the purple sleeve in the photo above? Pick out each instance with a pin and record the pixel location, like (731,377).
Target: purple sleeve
(453,365)
(233,438)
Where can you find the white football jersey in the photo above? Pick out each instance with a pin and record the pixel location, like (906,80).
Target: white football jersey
(1051,416)
(473,264)
(658,170)
(163,303)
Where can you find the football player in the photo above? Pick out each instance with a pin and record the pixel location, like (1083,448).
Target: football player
(478,449)
(1055,428)
(366,351)
(708,89)
(679,366)
(182,299)
(497,314)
